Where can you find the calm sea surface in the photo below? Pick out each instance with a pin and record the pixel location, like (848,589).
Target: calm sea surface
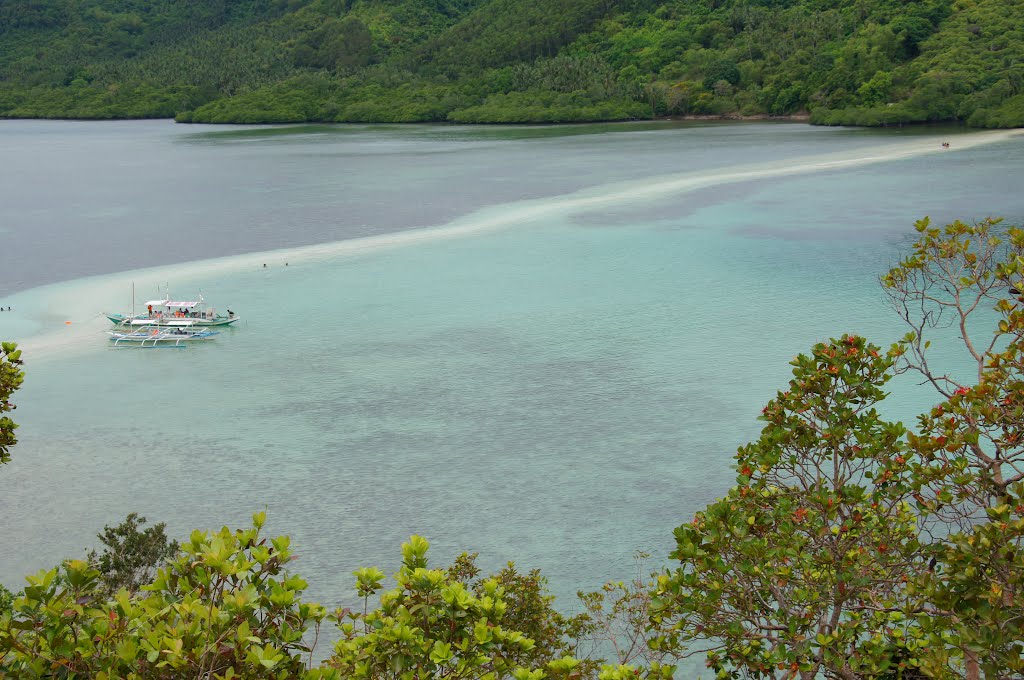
(541,344)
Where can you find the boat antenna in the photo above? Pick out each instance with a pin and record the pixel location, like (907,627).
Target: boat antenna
(133,299)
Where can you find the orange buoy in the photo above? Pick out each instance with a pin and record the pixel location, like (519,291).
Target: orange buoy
(67,323)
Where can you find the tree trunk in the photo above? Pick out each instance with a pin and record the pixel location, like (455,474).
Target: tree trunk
(971,660)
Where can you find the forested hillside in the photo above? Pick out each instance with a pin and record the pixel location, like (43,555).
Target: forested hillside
(840,61)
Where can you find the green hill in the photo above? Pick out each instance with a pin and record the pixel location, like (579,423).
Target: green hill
(840,61)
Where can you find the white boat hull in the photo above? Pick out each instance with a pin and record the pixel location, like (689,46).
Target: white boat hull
(174,338)
(171,321)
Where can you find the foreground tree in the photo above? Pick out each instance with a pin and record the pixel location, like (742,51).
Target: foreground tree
(11,378)
(131,555)
(619,616)
(970,475)
(800,570)
(852,549)
(432,625)
(530,610)
(969,277)
(224,607)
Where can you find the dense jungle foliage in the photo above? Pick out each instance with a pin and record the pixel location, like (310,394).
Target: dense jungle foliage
(867,62)
(850,547)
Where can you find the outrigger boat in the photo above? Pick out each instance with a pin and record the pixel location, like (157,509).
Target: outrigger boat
(151,336)
(176,313)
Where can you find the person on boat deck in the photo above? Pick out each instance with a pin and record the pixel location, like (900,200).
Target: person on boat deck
(150,308)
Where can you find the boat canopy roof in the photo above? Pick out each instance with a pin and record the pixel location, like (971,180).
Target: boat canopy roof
(182,304)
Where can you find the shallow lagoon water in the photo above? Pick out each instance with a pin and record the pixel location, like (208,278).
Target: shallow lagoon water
(554,367)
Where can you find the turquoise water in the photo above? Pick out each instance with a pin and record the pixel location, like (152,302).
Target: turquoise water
(556,368)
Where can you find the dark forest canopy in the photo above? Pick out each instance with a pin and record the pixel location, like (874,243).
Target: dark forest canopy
(865,62)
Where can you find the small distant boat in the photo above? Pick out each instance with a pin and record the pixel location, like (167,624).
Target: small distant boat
(152,336)
(176,313)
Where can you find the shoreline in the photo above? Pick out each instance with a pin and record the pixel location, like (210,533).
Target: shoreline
(788,118)
(793,118)
(801,117)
